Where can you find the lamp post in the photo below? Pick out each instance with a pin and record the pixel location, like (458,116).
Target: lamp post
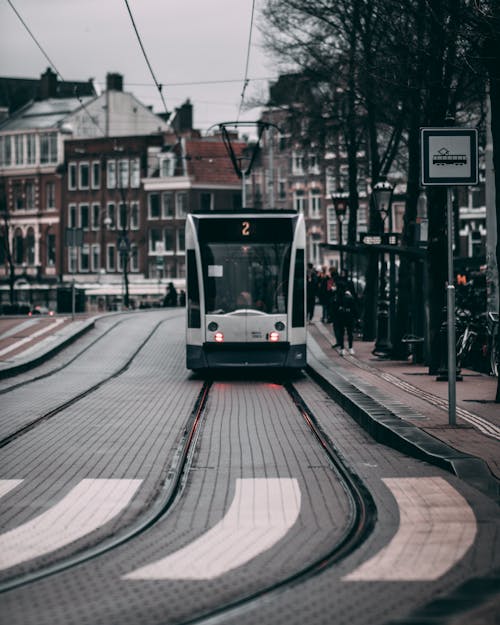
(340,199)
(382,197)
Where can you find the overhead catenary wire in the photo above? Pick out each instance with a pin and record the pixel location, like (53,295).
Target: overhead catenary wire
(246,80)
(52,64)
(159,86)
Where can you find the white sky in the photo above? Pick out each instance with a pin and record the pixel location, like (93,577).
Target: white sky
(186,41)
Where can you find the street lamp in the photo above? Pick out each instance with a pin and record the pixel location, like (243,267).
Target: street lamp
(382,197)
(340,199)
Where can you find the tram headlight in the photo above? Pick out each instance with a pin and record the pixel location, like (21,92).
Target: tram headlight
(274,336)
(280,326)
(212,326)
(219,337)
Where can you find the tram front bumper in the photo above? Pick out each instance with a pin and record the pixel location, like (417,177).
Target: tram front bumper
(241,355)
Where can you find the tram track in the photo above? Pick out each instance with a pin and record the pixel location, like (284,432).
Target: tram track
(76,398)
(360,523)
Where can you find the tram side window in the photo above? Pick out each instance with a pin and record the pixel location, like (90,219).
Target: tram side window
(193,291)
(298,309)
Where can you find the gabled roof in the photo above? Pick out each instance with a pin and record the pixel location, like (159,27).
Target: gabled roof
(207,161)
(43,114)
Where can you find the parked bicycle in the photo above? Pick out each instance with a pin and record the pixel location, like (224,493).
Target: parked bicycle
(477,341)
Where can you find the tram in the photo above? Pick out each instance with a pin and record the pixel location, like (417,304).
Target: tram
(246,300)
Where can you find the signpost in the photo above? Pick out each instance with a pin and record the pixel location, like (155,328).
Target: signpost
(449,158)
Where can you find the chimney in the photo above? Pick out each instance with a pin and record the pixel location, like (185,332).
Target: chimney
(183,119)
(114,82)
(47,87)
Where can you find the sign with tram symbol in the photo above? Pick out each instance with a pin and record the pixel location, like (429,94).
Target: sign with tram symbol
(449,156)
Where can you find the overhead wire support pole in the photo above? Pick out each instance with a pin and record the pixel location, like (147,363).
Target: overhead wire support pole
(450,303)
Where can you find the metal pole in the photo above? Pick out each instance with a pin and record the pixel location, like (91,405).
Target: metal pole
(450,300)
(73,263)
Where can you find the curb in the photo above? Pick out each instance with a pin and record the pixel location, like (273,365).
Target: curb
(29,363)
(387,428)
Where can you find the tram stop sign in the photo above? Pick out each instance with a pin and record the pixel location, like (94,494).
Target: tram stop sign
(449,156)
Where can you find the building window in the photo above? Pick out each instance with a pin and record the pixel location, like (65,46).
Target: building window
(110,257)
(51,250)
(134,257)
(123,171)
(72,223)
(111,174)
(96,174)
(297,164)
(84,216)
(30,195)
(206,201)
(50,195)
(48,148)
(96,257)
(134,215)
(31,149)
(181,205)
(181,240)
(17,196)
(167,166)
(95,216)
(122,216)
(5,150)
(84,175)
(154,206)
(299,200)
(111,215)
(30,247)
(168,240)
(19,149)
(315,203)
(135,173)
(153,239)
(167,205)
(18,247)
(84,258)
(72,176)
(72,253)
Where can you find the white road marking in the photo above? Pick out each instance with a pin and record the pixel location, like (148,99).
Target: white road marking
(262,512)
(86,507)
(7,485)
(437,527)
(27,339)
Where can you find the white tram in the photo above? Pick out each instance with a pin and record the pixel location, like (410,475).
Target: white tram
(246,300)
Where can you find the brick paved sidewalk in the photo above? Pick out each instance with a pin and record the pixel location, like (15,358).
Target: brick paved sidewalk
(477,429)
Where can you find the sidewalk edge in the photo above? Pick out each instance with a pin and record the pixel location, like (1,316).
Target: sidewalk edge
(29,363)
(389,429)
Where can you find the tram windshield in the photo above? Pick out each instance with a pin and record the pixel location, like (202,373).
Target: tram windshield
(251,275)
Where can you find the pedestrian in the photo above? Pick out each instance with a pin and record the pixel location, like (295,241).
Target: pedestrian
(325,283)
(311,290)
(171,295)
(347,315)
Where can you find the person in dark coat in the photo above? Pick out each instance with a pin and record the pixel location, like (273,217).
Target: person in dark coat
(311,290)
(347,315)
(171,296)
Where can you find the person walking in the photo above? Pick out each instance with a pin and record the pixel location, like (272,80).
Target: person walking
(311,290)
(347,315)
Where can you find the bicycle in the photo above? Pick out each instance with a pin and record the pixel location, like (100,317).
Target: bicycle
(477,341)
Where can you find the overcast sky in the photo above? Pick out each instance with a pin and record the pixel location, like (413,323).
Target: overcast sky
(186,41)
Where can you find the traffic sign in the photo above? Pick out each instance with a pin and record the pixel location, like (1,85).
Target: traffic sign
(449,156)
(387,238)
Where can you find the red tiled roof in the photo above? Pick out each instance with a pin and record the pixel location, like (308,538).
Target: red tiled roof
(208,161)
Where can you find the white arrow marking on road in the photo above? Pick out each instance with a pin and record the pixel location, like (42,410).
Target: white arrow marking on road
(262,512)
(86,507)
(54,323)
(437,527)
(7,485)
